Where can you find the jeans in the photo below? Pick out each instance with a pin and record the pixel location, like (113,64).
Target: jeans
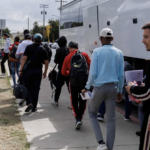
(3,61)
(128,106)
(15,69)
(141,114)
(107,93)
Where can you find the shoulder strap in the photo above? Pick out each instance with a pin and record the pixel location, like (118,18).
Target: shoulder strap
(55,67)
(35,54)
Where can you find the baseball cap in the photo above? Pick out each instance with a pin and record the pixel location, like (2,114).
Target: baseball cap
(38,37)
(106,32)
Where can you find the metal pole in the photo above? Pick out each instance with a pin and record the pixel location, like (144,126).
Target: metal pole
(28,23)
(61,5)
(43,21)
(1,30)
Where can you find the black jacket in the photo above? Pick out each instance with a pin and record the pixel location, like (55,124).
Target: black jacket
(61,53)
(143,93)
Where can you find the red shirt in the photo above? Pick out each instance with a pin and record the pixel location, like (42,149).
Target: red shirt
(67,61)
(10,48)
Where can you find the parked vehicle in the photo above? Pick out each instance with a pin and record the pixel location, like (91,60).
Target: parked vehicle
(82,21)
(54,45)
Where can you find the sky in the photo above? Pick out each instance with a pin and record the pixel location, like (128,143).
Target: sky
(16,13)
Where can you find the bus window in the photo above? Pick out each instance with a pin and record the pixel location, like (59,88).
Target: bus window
(74,15)
(84,4)
(64,18)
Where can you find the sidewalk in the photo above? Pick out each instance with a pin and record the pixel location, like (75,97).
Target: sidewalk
(54,127)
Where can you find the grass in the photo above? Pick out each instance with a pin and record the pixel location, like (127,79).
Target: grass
(12,134)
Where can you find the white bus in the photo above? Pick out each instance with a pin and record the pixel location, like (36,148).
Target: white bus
(82,21)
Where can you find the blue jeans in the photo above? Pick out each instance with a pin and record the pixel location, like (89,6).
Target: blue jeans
(128,106)
(102,108)
(141,114)
(15,69)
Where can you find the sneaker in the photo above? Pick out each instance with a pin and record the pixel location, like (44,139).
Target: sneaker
(54,103)
(29,108)
(126,118)
(70,107)
(3,75)
(21,102)
(100,117)
(78,125)
(138,133)
(102,146)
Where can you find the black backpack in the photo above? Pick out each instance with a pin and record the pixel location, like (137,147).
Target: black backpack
(79,70)
(13,51)
(49,51)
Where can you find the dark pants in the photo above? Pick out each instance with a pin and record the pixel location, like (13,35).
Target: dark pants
(102,108)
(143,132)
(78,105)
(60,82)
(32,79)
(3,61)
(128,106)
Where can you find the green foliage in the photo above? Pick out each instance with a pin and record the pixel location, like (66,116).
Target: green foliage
(6,31)
(37,28)
(54,30)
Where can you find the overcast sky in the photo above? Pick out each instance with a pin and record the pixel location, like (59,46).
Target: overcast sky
(16,12)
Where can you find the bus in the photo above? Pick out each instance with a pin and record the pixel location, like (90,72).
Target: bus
(82,21)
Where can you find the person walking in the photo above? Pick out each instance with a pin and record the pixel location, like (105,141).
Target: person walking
(35,54)
(107,75)
(141,93)
(6,55)
(61,53)
(76,66)
(15,64)
(19,55)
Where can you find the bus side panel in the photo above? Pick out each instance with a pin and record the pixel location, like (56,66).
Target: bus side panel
(132,15)
(108,18)
(91,37)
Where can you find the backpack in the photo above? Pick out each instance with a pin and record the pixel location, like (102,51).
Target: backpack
(79,70)
(13,52)
(49,51)
(53,77)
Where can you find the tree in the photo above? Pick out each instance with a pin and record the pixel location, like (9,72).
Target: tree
(37,28)
(54,30)
(7,31)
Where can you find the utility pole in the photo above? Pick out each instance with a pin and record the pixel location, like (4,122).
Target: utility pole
(44,13)
(61,3)
(28,23)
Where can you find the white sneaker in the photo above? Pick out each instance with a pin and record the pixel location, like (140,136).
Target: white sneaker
(102,147)
(78,125)
(3,75)
(54,103)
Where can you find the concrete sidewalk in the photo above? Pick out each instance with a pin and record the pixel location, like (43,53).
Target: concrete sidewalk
(54,127)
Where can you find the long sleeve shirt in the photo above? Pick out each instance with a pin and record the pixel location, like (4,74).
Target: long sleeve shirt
(7,44)
(107,66)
